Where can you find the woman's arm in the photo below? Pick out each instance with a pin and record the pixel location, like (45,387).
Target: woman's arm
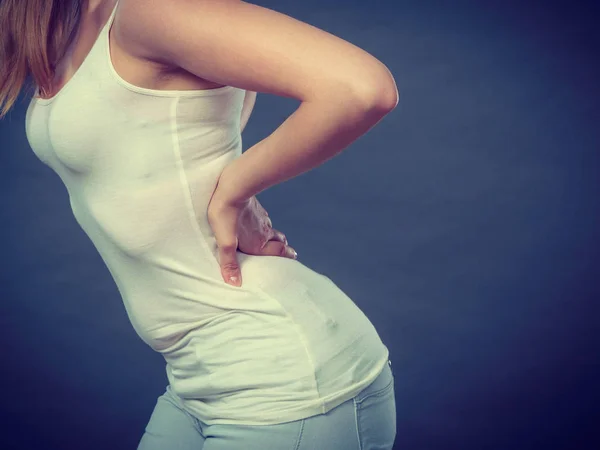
(344,91)
(249,101)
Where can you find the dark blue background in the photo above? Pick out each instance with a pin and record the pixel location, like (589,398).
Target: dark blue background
(465,225)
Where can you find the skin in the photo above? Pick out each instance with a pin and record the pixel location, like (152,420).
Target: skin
(165,45)
(255,232)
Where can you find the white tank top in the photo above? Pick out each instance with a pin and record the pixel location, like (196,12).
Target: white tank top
(139,166)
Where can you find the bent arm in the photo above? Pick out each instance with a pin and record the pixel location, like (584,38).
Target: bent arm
(344,91)
(316,132)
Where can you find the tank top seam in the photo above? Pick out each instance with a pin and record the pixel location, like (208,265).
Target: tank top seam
(183,180)
(300,335)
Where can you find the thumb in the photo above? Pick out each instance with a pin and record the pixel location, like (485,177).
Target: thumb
(230,268)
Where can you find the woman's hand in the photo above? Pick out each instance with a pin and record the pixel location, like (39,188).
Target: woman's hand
(245,225)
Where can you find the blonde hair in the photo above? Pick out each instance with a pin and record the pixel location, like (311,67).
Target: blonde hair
(34,36)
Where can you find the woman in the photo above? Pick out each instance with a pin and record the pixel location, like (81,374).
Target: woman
(139,108)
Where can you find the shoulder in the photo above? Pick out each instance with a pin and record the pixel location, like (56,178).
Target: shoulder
(124,34)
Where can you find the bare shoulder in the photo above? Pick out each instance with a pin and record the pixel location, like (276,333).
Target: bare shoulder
(240,44)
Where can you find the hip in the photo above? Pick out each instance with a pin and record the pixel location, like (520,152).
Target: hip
(368,420)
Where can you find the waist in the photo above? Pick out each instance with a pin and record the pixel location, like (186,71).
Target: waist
(240,352)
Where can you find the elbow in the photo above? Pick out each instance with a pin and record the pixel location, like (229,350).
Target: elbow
(380,93)
(384,97)
(388,99)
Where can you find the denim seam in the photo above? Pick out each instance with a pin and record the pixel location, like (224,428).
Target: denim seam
(300,435)
(356,423)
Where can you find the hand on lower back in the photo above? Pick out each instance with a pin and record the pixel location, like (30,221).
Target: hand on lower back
(246,226)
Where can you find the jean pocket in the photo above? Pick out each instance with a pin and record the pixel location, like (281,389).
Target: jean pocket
(380,386)
(375,409)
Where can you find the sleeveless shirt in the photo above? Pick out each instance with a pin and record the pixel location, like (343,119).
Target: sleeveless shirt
(139,166)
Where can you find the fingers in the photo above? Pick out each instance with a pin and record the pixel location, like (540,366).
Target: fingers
(223,219)
(277,248)
(230,268)
(279,236)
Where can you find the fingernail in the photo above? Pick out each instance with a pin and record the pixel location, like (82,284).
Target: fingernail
(235,281)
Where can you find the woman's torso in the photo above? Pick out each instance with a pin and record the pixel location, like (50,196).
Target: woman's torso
(139,165)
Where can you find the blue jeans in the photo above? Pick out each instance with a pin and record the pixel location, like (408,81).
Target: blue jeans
(365,422)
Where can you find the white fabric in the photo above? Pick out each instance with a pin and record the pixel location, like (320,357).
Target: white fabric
(139,166)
